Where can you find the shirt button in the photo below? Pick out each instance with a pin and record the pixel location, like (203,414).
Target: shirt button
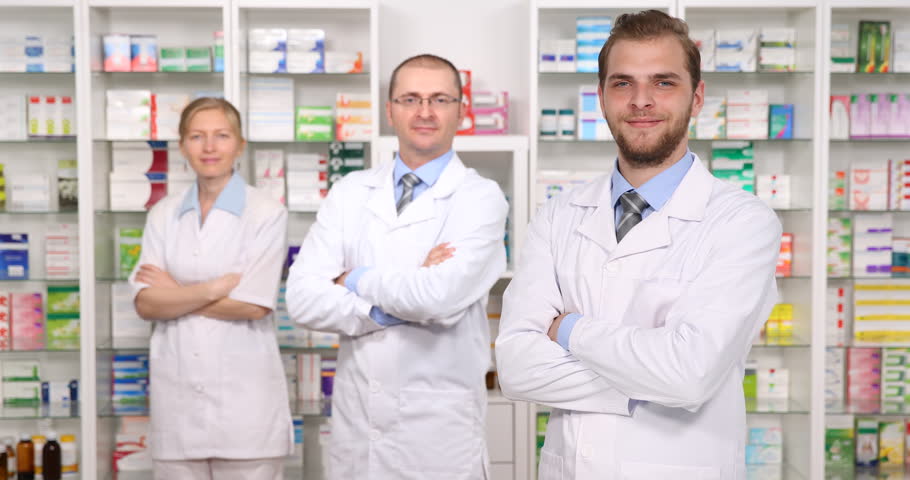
(586,451)
(375,386)
(374,435)
(612,267)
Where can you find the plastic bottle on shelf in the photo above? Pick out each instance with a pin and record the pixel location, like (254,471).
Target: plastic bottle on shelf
(38,442)
(51,458)
(10,444)
(25,458)
(69,457)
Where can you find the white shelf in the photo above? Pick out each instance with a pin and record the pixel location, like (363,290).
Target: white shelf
(37,3)
(601,5)
(307,4)
(749,4)
(158,4)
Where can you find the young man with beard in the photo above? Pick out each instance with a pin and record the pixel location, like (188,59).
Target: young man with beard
(638,295)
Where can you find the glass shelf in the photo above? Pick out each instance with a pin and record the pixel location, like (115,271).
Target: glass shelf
(320,408)
(40,212)
(37,412)
(877,140)
(35,74)
(774,407)
(157,74)
(712,73)
(871,409)
(121,212)
(142,343)
(16,353)
(40,140)
(43,280)
(897,472)
(296,142)
(865,75)
(795,277)
(769,140)
(781,342)
(869,211)
(794,210)
(313,75)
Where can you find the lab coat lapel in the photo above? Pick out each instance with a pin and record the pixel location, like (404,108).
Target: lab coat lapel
(382,197)
(688,202)
(424,207)
(598,226)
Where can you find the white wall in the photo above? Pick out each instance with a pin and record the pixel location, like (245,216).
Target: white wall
(488,37)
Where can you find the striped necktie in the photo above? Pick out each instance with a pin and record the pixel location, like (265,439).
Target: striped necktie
(408,181)
(632,206)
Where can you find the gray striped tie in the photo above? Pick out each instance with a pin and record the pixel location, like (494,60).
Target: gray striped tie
(408,181)
(632,206)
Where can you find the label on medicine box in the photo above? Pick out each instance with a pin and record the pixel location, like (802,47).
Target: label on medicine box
(13,256)
(21,370)
(21,393)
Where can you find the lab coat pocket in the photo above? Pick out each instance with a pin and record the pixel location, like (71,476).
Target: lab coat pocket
(550,466)
(441,432)
(653,471)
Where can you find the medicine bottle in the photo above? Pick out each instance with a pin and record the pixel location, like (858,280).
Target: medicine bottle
(25,458)
(69,458)
(9,444)
(548,124)
(50,458)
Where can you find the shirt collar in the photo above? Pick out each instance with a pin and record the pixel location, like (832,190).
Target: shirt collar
(232,198)
(428,173)
(659,189)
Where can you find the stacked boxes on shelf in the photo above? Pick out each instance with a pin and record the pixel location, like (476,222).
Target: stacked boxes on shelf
(733,162)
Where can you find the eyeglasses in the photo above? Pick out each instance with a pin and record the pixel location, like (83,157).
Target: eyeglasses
(436,101)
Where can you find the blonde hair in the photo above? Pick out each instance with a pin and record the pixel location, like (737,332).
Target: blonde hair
(209,103)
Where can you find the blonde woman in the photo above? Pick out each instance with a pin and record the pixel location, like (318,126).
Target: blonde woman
(208,278)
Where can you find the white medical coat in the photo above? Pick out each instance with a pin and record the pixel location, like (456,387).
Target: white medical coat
(218,387)
(409,401)
(651,386)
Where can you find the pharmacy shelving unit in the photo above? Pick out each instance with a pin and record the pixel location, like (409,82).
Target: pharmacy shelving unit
(551,20)
(39,156)
(840,154)
(175,24)
(349,26)
(800,158)
(502,158)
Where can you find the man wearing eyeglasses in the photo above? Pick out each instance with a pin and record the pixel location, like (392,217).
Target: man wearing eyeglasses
(400,262)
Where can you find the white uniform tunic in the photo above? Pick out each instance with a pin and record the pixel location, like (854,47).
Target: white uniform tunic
(217,386)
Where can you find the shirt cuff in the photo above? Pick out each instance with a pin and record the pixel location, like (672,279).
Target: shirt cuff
(383,318)
(351,280)
(565,329)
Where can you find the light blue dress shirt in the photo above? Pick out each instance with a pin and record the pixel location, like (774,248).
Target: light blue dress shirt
(428,174)
(656,192)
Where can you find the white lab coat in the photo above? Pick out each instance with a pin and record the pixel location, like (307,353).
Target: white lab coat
(409,401)
(217,386)
(651,387)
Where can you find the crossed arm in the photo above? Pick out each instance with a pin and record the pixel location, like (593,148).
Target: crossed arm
(166,299)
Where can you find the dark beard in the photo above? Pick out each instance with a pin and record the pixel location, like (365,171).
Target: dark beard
(660,152)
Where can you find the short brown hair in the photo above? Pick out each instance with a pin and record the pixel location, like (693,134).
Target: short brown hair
(209,103)
(426,60)
(647,25)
